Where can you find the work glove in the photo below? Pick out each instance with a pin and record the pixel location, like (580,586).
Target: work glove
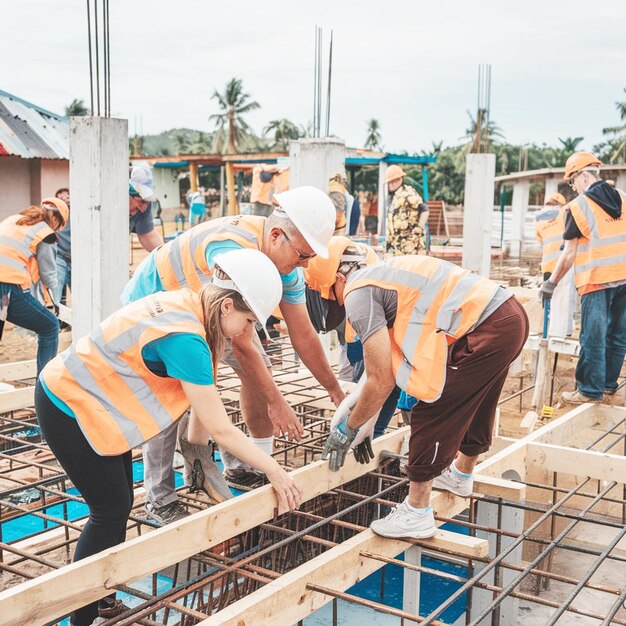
(546,290)
(338,444)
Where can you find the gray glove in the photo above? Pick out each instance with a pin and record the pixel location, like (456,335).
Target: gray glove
(546,290)
(338,444)
(363,452)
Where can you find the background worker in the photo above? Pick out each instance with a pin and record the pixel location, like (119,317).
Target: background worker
(406,217)
(595,245)
(138,372)
(343,202)
(549,227)
(141,195)
(299,228)
(445,336)
(64,252)
(267,181)
(27,255)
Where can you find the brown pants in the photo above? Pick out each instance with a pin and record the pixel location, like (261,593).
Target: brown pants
(462,419)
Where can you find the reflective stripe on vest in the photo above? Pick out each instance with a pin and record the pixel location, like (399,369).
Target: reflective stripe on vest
(18,247)
(118,402)
(436,301)
(601,251)
(549,227)
(182,261)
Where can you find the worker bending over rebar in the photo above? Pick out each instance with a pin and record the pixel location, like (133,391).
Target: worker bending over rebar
(445,336)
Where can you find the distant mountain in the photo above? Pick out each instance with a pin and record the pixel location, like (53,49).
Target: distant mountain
(172,142)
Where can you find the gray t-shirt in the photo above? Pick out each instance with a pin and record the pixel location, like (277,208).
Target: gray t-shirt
(368,309)
(141,223)
(64,242)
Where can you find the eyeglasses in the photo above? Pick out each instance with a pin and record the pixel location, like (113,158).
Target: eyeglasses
(301,256)
(573,178)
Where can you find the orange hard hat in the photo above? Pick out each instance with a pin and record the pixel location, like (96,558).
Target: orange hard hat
(578,161)
(393,173)
(557,198)
(59,206)
(320,273)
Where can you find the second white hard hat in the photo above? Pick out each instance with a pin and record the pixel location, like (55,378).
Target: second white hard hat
(255,277)
(312,213)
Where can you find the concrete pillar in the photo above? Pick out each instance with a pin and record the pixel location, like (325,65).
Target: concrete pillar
(620,180)
(512,520)
(412,581)
(312,161)
(99,218)
(382,198)
(519,206)
(480,170)
(552,186)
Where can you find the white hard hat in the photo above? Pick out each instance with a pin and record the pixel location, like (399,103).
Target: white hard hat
(255,277)
(312,213)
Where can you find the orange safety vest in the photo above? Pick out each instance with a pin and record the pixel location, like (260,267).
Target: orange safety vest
(264,192)
(18,247)
(438,303)
(118,402)
(182,261)
(601,251)
(549,227)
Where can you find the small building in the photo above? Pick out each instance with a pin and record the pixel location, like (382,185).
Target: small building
(34,153)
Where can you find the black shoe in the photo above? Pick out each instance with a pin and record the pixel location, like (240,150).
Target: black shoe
(244,479)
(167,513)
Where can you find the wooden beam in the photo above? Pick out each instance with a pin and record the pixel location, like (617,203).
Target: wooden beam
(54,594)
(499,488)
(598,465)
(19,370)
(17,399)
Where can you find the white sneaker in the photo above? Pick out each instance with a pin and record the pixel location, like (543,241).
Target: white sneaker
(450,481)
(402,522)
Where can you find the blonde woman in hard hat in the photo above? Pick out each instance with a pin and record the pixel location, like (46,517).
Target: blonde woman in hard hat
(299,228)
(134,375)
(27,256)
(407,215)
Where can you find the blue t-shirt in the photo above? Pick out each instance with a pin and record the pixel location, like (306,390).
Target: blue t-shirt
(162,357)
(146,280)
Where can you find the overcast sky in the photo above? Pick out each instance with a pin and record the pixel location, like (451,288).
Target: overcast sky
(558,67)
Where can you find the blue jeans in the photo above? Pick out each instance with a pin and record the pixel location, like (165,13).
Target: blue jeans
(27,312)
(602,340)
(64,276)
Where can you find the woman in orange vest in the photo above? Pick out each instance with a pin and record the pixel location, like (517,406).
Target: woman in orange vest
(445,336)
(27,255)
(136,374)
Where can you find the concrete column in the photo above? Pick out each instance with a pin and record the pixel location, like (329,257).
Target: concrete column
(552,186)
(382,198)
(512,520)
(620,180)
(480,172)
(312,161)
(99,218)
(519,206)
(412,581)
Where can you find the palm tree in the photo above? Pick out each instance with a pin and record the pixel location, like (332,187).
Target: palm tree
(76,108)
(570,144)
(481,133)
(373,139)
(618,143)
(284,130)
(233,102)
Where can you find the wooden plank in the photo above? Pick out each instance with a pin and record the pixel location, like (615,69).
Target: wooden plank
(18,370)
(17,399)
(598,465)
(499,488)
(53,594)
(287,600)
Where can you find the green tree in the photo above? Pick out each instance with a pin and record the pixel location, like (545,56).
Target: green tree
(481,133)
(373,138)
(570,144)
(231,128)
(617,143)
(76,108)
(283,131)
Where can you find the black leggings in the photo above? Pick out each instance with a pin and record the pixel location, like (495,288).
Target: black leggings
(105,482)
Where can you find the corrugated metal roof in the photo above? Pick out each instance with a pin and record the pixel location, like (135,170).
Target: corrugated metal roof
(30,132)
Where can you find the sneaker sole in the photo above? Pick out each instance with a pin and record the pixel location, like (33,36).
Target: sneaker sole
(405,535)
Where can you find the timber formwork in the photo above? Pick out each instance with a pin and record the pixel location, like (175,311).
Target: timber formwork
(554,497)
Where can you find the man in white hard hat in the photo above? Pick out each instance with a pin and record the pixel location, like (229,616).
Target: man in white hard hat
(140,197)
(299,228)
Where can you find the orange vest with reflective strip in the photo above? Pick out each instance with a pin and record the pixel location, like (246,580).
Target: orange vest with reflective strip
(182,261)
(118,402)
(18,247)
(438,303)
(264,192)
(549,227)
(601,251)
